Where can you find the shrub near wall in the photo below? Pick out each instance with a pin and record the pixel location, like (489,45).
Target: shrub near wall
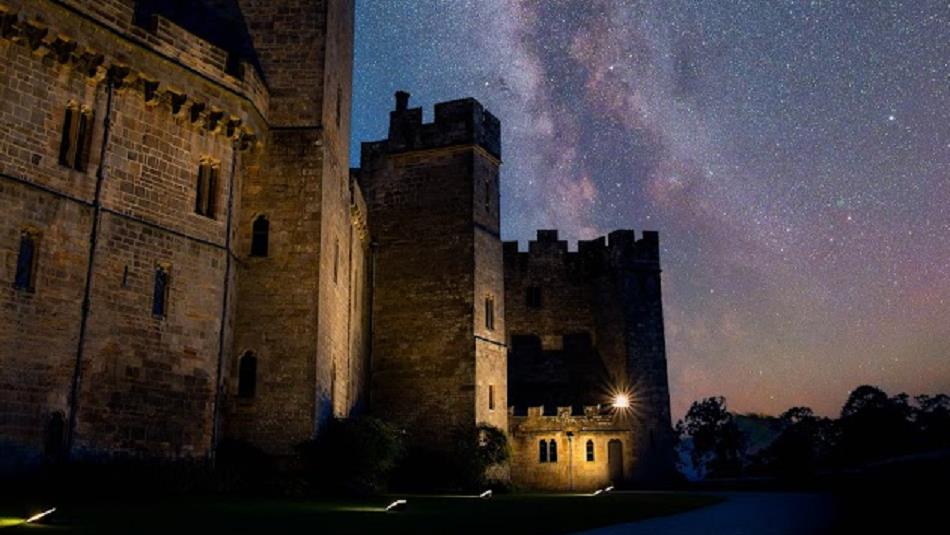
(353,456)
(478,459)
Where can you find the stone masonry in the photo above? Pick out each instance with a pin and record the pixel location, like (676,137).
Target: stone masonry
(432,193)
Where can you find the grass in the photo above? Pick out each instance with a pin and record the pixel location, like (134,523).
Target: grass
(519,513)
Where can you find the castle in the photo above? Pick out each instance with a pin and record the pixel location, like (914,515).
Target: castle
(186,256)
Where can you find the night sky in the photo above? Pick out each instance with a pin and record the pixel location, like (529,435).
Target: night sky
(794,156)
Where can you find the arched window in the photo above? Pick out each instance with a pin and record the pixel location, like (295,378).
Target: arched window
(590,451)
(552,451)
(247,376)
(160,293)
(26,263)
(542,451)
(259,235)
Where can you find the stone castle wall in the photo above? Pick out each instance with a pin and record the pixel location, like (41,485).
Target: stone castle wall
(167,386)
(144,385)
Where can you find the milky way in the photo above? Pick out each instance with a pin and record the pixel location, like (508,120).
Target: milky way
(794,156)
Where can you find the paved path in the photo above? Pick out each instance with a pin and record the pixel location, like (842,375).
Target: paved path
(752,513)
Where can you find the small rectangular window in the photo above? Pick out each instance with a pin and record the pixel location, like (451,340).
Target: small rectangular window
(533,298)
(160,292)
(490,313)
(76,142)
(206,190)
(491,397)
(25,278)
(487,196)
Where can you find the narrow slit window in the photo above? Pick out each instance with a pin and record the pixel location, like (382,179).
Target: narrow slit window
(247,376)
(542,451)
(206,190)
(76,142)
(490,313)
(336,261)
(259,236)
(590,451)
(552,451)
(25,278)
(491,397)
(487,196)
(160,293)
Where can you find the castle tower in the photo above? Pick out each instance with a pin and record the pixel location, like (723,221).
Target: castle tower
(296,241)
(439,354)
(584,327)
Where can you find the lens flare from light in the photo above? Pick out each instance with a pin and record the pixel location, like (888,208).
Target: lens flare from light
(621,401)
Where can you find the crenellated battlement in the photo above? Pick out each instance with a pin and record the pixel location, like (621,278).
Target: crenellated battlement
(47,40)
(457,122)
(620,248)
(586,418)
(543,411)
(50,29)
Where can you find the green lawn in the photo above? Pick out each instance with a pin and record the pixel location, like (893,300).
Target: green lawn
(516,513)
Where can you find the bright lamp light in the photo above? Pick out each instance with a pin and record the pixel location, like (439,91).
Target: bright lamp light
(621,401)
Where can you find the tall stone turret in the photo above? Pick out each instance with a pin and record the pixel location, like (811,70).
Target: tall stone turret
(439,355)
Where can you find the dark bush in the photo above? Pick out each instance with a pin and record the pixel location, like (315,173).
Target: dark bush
(353,456)
(477,458)
(242,467)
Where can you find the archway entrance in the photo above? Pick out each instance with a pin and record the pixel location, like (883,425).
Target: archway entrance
(615,461)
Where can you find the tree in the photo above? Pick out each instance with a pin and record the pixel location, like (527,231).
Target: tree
(932,418)
(874,426)
(796,452)
(717,442)
(863,399)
